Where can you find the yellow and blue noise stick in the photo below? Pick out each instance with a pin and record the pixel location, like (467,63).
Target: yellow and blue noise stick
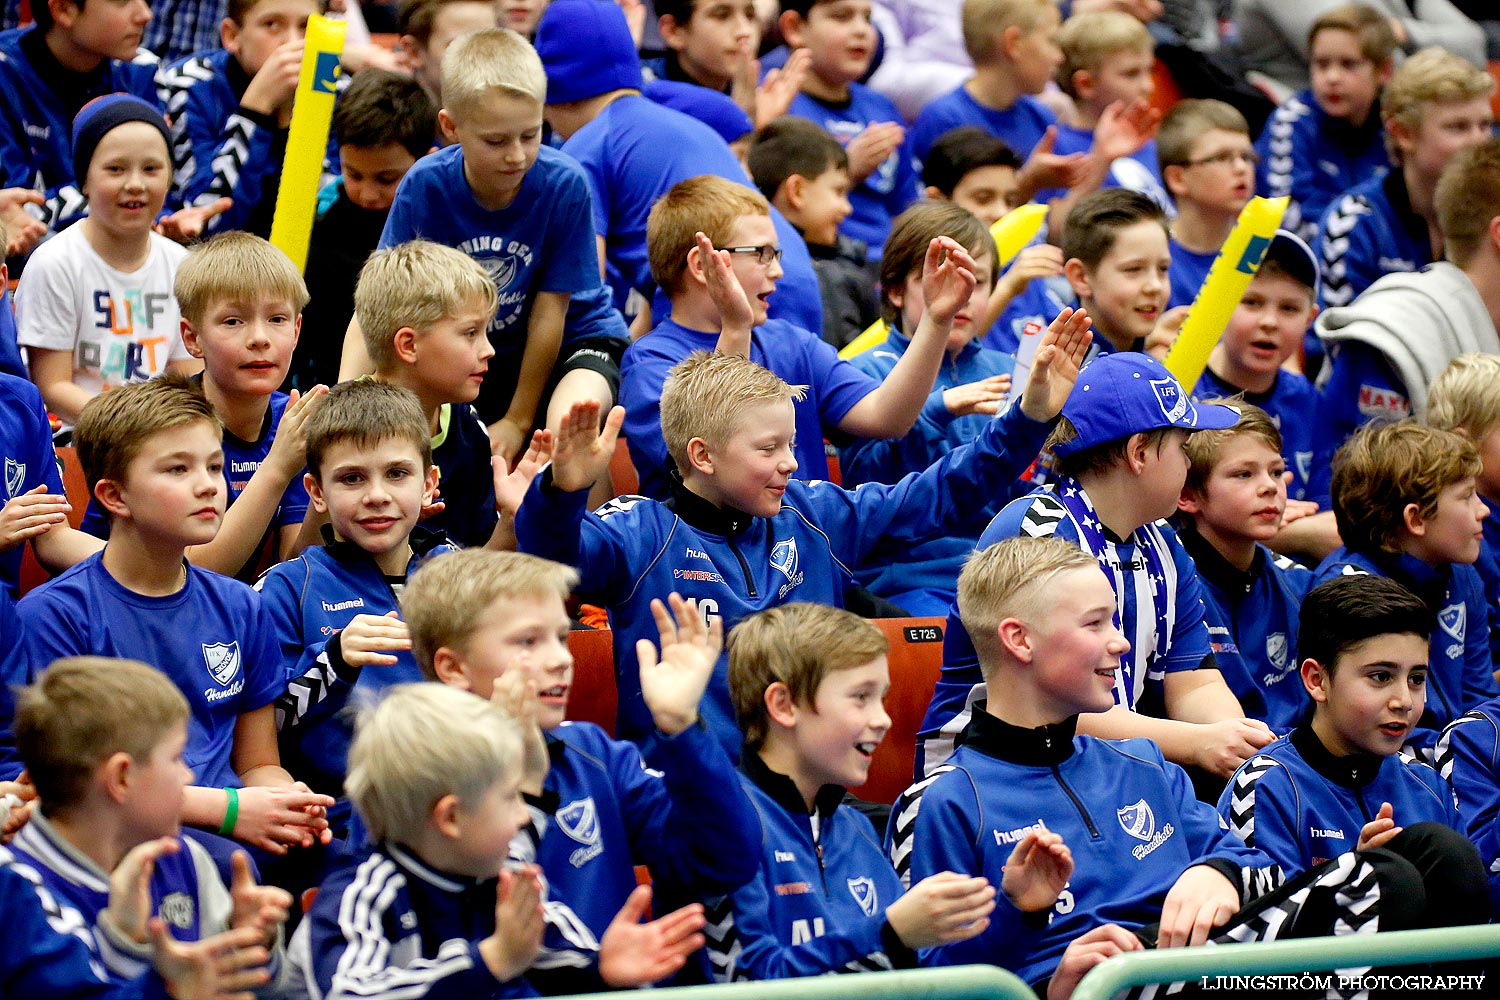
(1012,232)
(307,139)
(1227,280)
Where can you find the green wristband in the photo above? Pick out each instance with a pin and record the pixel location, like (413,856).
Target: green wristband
(231,812)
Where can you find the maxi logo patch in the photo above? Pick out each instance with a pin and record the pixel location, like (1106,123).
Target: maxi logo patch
(222,660)
(1453,619)
(863,891)
(15,475)
(1170,397)
(579,819)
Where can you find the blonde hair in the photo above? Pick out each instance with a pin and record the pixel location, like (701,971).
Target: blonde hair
(367,412)
(1203,447)
(1468,199)
(1188,121)
(1007,580)
(986,20)
(797,644)
(83,709)
(1386,466)
(114,425)
(416,284)
(491,59)
(1088,39)
(1377,39)
(1465,397)
(705,396)
(706,204)
(422,742)
(1431,76)
(445,601)
(236,266)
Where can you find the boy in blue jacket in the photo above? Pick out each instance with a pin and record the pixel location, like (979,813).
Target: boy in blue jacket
(738,533)
(491,623)
(1405,500)
(1338,782)
(333,608)
(230,109)
(808,683)
(1100,847)
(1232,503)
(1468,755)
(1325,140)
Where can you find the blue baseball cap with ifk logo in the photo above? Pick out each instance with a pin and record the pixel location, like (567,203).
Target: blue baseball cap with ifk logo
(1127,393)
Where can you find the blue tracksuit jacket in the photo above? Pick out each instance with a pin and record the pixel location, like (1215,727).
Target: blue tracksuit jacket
(310,599)
(1368,232)
(1252,628)
(1302,805)
(1468,755)
(36,126)
(634,549)
(1130,818)
(1459,668)
(386,925)
(1313,158)
(922,578)
(817,901)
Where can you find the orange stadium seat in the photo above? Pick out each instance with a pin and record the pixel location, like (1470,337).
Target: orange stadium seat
(622,471)
(593,697)
(916,659)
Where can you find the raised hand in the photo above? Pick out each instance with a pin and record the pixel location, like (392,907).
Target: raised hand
(514,693)
(511,484)
(262,908)
(774,95)
(1046,169)
(581,452)
(1037,870)
(370,640)
(736,318)
(635,954)
(942,909)
(1040,260)
(16,802)
(22,232)
(947,279)
(129,908)
(872,147)
(518,923)
(983,396)
(30,514)
(187,224)
(1054,369)
(1164,334)
(289,448)
(673,685)
(1124,129)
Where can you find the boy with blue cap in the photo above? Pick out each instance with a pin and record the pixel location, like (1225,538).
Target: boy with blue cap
(1120,463)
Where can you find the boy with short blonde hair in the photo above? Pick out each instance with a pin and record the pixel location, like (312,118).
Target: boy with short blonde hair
(152,457)
(1435,105)
(796,671)
(1000,96)
(739,496)
(1208,164)
(1405,501)
(423,309)
(494,623)
(713,249)
(1047,813)
(522,211)
(1328,138)
(102,739)
(1232,504)
(436,777)
(427,27)
(334,606)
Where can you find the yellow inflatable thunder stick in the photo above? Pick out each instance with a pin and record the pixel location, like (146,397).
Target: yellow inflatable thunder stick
(307,140)
(1226,282)
(1012,232)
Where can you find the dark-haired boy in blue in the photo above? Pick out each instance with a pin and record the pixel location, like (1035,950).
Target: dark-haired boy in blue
(1405,502)
(1338,782)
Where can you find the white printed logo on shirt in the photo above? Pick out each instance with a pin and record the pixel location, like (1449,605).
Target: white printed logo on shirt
(223,660)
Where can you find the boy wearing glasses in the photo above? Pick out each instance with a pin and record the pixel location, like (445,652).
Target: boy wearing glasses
(714,253)
(1208,165)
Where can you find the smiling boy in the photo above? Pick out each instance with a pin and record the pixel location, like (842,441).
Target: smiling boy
(1118,261)
(1337,783)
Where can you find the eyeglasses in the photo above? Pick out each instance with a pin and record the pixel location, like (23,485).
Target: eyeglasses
(1227,158)
(764,254)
